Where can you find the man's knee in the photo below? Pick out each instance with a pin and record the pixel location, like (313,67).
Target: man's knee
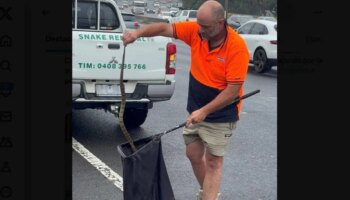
(194,157)
(195,151)
(214,162)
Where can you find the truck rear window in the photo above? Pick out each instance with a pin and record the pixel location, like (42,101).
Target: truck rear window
(193,14)
(87,15)
(108,17)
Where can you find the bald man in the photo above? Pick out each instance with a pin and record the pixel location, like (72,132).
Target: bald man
(219,64)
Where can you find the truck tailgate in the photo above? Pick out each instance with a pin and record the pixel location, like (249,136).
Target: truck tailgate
(145,59)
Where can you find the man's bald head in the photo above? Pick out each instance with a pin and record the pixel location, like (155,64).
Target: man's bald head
(211,9)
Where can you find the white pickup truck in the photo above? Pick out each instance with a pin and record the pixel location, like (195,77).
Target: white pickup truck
(149,67)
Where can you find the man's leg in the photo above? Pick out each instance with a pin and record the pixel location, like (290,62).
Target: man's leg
(195,153)
(212,178)
(216,138)
(207,157)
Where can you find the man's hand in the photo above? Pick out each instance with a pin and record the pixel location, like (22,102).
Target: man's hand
(196,117)
(129,37)
(148,30)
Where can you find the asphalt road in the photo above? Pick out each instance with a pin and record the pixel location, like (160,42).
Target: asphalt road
(250,167)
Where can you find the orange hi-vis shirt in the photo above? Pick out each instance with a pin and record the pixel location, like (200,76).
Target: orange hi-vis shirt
(216,68)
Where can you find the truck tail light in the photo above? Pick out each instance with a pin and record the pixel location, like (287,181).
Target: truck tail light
(170,58)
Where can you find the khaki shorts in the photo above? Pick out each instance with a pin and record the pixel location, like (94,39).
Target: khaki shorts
(215,136)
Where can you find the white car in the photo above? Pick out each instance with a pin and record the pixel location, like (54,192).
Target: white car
(261,39)
(138,8)
(156,4)
(174,10)
(185,15)
(268,18)
(166,15)
(236,20)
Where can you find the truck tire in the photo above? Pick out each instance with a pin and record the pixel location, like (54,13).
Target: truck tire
(261,62)
(134,117)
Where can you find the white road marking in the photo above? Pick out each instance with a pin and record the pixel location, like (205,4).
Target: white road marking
(98,164)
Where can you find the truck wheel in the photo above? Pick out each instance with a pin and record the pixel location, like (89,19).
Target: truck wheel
(260,61)
(134,117)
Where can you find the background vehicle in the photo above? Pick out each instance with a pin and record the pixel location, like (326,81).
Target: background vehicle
(185,15)
(268,18)
(156,4)
(130,21)
(125,5)
(261,39)
(151,11)
(163,8)
(166,15)
(236,21)
(138,8)
(149,68)
(174,10)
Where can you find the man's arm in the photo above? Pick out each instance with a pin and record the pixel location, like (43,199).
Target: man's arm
(225,97)
(149,30)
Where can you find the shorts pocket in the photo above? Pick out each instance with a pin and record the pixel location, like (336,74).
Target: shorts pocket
(232,125)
